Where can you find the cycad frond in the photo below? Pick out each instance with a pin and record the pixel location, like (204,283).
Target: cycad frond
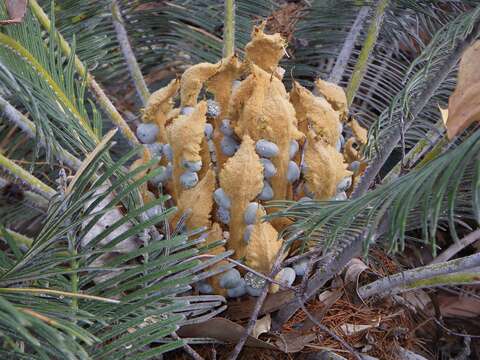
(442,190)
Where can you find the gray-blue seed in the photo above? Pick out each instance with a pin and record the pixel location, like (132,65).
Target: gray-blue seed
(226,128)
(204,288)
(163,176)
(344,184)
(287,276)
(340,196)
(189,179)
(229,146)
(269,169)
(147,133)
(247,233)
(221,198)
(354,166)
(304,199)
(266,148)
(208,130)
(250,216)
(266,193)
(255,292)
(223,215)
(213,108)
(293,172)
(300,267)
(167,150)
(237,291)
(186,110)
(193,166)
(230,279)
(155,149)
(293,148)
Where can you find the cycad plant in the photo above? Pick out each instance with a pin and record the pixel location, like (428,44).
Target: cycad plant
(90,269)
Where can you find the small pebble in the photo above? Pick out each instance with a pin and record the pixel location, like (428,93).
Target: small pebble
(300,267)
(230,279)
(293,148)
(221,198)
(286,276)
(293,172)
(229,146)
(153,211)
(266,193)
(247,233)
(147,133)
(155,149)
(305,198)
(250,216)
(213,108)
(186,110)
(269,169)
(237,291)
(208,130)
(225,128)
(223,215)
(344,184)
(189,179)
(193,166)
(266,148)
(204,287)
(167,150)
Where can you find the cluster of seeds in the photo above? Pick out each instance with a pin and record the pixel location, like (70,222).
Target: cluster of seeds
(221,159)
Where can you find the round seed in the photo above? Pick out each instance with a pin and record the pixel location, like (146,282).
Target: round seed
(354,166)
(253,291)
(293,148)
(344,184)
(223,215)
(293,172)
(208,130)
(189,179)
(237,291)
(340,196)
(250,216)
(304,199)
(266,148)
(155,149)
(254,280)
(235,84)
(153,211)
(269,169)
(226,128)
(213,108)
(221,198)
(147,133)
(286,276)
(247,233)
(163,176)
(186,110)
(230,279)
(193,166)
(266,193)
(229,145)
(204,287)
(300,267)
(167,150)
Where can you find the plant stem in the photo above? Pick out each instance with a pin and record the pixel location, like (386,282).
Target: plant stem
(229,29)
(129,56)
(368,46)
(28,127)
(457,247)
(421,277)
(346,52)
(102,98)
(25,177)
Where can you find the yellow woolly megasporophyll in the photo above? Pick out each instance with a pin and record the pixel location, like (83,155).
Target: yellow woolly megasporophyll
(238,140)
